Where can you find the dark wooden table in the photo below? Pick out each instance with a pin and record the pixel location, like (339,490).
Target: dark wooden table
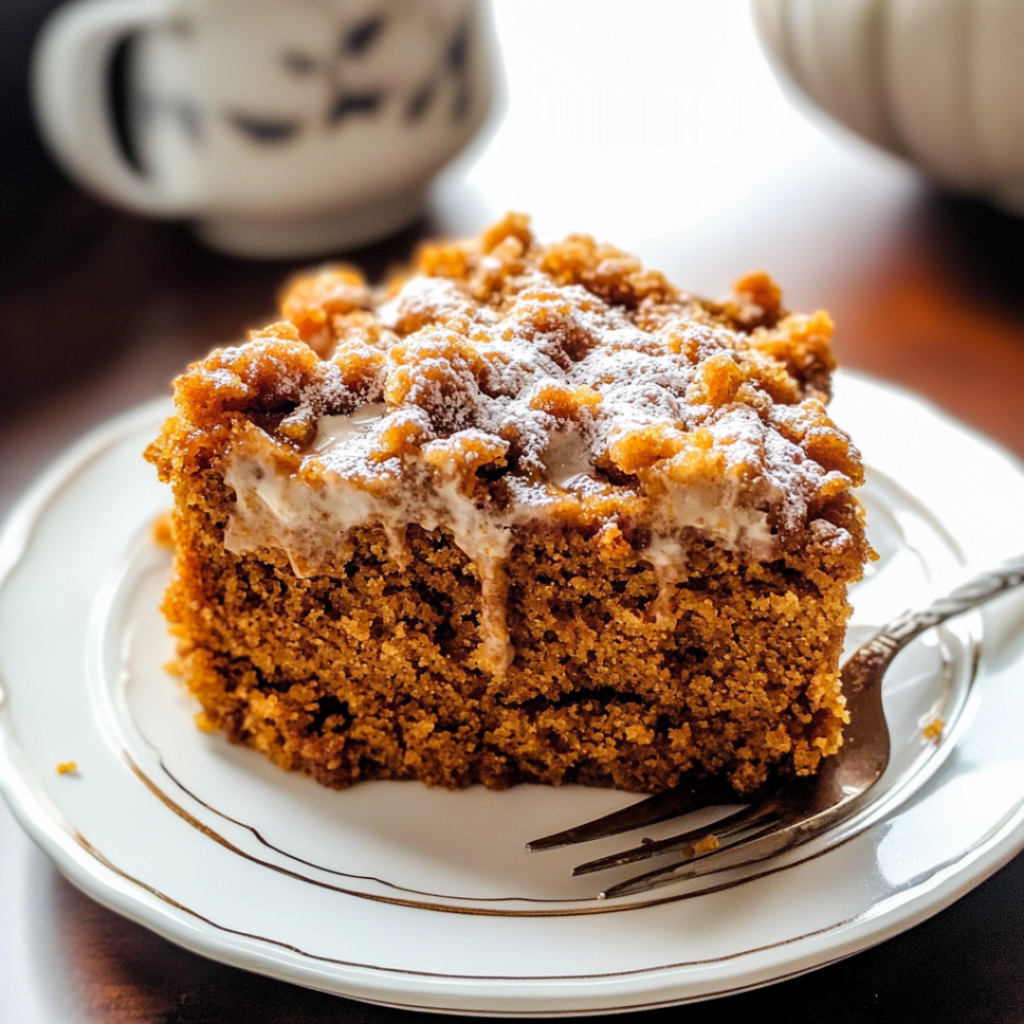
(662,130)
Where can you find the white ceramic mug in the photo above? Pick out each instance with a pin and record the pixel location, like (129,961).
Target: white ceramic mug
(284,127)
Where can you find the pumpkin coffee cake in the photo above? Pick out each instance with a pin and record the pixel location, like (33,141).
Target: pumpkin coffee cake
(528,514)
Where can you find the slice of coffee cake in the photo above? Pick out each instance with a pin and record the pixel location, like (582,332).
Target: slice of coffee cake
(530,513)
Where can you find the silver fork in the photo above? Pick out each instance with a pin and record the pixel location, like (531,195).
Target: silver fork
(788,814)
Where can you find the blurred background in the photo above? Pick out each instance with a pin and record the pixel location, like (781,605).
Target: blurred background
(658,125)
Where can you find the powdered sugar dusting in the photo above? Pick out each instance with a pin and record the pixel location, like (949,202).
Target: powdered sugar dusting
(469,366)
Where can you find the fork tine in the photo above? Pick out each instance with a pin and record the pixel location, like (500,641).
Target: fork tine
(792,829)
(763,812)
(764,843)
(798,818)
(672,803)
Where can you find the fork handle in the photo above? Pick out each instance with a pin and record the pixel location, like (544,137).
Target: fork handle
(898,633)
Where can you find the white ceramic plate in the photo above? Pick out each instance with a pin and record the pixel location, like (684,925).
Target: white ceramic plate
(418,898)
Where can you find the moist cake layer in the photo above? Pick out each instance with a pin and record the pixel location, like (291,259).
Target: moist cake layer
(529,513)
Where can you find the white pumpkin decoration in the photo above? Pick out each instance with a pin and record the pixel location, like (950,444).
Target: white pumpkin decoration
(938,82)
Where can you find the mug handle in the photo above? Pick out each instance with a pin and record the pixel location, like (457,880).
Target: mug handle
(69,69)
